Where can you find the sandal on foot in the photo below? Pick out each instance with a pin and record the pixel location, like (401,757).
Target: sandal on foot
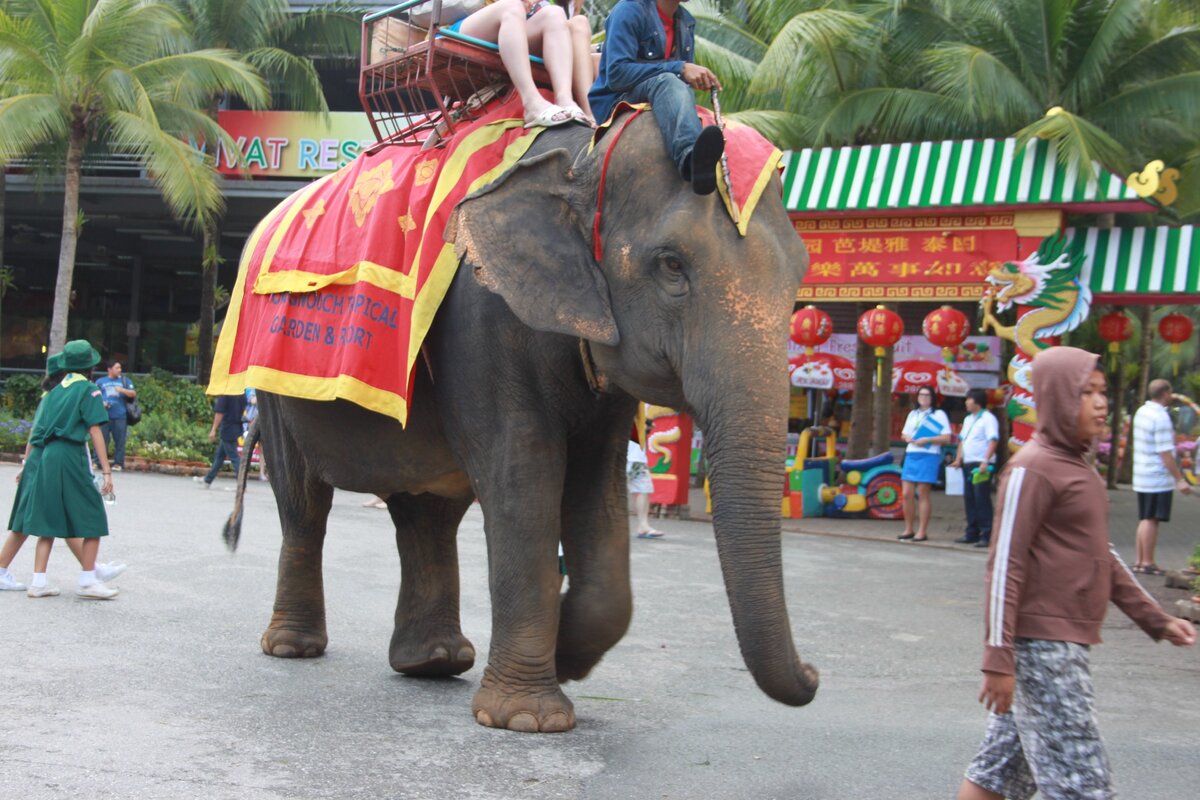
(1153,569)
(1137,569)
(907,536)
(920,538)
(549,117)
(651,534)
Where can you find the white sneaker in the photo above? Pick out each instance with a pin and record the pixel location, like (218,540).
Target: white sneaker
(117,468)
(198,479)
(42,591)
(10,584)
(97,591)
(110,571)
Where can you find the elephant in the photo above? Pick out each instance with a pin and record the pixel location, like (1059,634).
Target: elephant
(525,400)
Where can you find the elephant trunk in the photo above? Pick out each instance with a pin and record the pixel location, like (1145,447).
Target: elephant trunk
(745,447)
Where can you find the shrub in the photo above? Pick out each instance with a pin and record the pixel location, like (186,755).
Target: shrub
(14,434)
(22,393)
(161,435)
(160,392)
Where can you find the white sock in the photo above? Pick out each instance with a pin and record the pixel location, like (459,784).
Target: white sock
(87,577)
(3,572)
(39,580)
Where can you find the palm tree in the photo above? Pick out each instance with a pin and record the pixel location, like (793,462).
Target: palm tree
(281,45)
(117,72)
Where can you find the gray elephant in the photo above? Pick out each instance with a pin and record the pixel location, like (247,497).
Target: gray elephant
(525,402)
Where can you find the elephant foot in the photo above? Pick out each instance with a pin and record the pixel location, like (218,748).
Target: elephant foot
(545,711)
(450,654)
(293,643)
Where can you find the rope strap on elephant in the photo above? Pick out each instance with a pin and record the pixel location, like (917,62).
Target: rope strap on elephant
(338,286)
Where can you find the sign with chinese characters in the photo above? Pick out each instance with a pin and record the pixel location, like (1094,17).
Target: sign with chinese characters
(904,258)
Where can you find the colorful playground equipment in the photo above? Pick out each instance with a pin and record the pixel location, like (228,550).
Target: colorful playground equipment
(871,486)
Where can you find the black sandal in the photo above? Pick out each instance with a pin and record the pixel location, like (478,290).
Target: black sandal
(907,536)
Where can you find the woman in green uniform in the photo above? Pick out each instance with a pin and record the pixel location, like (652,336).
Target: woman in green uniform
(56,498)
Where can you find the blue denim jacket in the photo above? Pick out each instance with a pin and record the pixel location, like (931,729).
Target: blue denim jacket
(633,51)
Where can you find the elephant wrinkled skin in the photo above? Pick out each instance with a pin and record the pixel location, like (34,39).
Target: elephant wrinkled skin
(680,312)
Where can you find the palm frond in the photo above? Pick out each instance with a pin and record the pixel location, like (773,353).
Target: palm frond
(815,41)
(1079,143)
(332,31)
(292,77)
(714,26)
(1120,20)
(29,121)
(886,114)
(784,129)
(1161,57)
(735,71)
(1172,98)
(211,71)
(983,84)
(23,53)
(181,172)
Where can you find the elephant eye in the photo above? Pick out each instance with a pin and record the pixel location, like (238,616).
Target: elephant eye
(672,273)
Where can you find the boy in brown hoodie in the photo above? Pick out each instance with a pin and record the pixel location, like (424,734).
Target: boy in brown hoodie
(1050,576)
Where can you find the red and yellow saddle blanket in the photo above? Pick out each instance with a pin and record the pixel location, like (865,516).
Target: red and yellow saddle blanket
(339,284)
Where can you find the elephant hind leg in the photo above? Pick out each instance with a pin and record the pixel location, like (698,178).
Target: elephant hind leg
(428,639)
(297,628)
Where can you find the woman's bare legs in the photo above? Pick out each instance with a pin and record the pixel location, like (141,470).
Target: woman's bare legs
(909,490)
(504,23)
(924,508)
(582,71)
(41,556)
(11,546)
(87,557)
(550,38)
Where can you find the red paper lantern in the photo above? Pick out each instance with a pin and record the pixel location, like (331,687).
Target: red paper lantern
(1115,328)
(881,329)
(1175,329)
(947,328)
(811,327)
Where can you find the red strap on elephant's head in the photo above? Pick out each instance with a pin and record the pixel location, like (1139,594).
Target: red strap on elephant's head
(597,248)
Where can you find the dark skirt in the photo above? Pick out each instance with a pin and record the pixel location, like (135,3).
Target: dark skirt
(56,496)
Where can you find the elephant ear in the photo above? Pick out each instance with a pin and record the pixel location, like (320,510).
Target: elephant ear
(526,241)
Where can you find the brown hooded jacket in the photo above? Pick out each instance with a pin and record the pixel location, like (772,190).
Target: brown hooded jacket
(1052,570)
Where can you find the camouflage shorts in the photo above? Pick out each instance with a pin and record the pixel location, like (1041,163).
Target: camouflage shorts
(1049,742)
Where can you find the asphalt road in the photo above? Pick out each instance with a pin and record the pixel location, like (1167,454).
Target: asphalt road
(164,692)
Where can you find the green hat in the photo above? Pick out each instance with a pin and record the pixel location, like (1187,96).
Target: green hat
(79,355)
(54,364)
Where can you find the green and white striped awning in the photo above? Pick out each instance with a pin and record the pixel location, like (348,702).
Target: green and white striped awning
(1141,261)
(943,175)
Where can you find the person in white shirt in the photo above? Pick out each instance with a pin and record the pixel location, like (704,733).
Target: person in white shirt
(1155,473)
(926,430)
(641,486)
(977,444)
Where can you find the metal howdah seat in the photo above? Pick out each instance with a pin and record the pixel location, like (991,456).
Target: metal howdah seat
(420,79)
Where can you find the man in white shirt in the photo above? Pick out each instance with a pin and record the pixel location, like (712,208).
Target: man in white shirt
(977,441)
(1155,473)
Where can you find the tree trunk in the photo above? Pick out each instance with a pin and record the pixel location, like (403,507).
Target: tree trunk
(1114,442)
(860,412)
(208,291)
(70,240)
(881,416)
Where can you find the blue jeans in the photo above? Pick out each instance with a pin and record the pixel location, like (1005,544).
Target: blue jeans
(977,497)
(674,107)
(115,432)
(226,448)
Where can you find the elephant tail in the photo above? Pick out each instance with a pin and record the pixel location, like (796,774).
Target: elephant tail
(233,526)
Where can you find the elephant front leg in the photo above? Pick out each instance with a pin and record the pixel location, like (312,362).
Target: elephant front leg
(519,690)
(595,510)
(428,639)
(297,628)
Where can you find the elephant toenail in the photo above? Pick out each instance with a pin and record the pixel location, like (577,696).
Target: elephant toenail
(484,718)
(439,654)
(523,721)
(466,654)
(557,723)
(283,650)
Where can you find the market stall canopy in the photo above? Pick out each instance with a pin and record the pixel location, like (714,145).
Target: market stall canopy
(1141,265)
(910,375)
(822,371)
(949,175)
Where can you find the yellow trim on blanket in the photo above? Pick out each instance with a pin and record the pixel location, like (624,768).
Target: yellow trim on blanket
(751,202)
(312,387)
(295,204)
(368,272)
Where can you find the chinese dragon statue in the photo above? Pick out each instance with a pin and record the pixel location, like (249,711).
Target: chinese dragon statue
(1053,299)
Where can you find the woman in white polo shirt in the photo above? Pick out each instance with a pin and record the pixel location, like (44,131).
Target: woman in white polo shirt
(926,430)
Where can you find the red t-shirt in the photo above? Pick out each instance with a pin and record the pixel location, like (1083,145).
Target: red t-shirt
(668,24)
